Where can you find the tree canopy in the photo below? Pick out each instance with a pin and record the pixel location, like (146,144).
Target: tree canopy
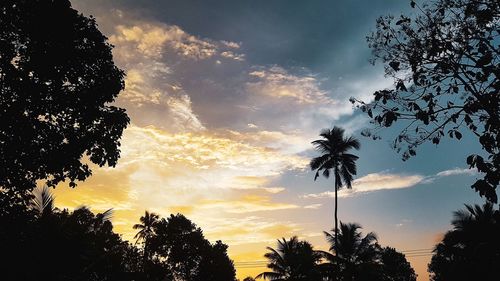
(292,260)
(353,257)
(57,244)
(470,250)
(445,65)
(57,80)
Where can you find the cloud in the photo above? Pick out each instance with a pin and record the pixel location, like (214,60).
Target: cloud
(278,83)
(246,204)
(456,171)
(383,181)
(200,173)
(451,172)
(248,229)
(152,39)
(373,182)
(313,206)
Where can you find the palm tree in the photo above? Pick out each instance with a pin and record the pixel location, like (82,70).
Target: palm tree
(470,250)
(293,260)
(356,257)
(145,233)
(334,147)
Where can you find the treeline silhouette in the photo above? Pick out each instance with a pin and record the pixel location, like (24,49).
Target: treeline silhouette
(353,257)
(42,242)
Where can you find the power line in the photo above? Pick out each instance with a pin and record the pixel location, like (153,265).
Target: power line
(412,253)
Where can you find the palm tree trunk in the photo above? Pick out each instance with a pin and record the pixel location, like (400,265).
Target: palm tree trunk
(336,208)
(336,220)
(336,205)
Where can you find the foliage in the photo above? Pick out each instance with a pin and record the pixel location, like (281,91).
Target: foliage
(179,246)
(445,66)
(293,260)
(354,257)
(395,267)
(57,78)
(62,245)
(334,148)
(470,251)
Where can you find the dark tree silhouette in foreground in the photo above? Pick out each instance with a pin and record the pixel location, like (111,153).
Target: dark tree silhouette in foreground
(445,66)
(355,257)
(187,254)
(292,260)
(53,244)
(470,251)
(395,267)
(145,235)
(334,148)
(60,245)
(57,79)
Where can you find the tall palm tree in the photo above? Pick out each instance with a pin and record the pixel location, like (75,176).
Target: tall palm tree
(334,148)
(145,233)
(356,257)
(293,260)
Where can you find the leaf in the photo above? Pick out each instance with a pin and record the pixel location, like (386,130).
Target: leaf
(401,86)
(412,4)
(394,65)
(458,135)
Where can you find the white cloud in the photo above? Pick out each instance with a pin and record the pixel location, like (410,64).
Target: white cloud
(230,44)
(383,181)
(456,171)
(313,206)
(373,182)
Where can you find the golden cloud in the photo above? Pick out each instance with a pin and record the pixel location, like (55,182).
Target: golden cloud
(192,173)
(278,83)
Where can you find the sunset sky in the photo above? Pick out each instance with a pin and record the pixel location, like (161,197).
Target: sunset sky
(225,98)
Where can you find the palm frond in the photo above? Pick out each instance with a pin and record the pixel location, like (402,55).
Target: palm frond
(43,200)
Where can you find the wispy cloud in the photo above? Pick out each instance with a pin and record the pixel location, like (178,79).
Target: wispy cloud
(313,206)
(246,204)
(276,82)
(373,182)
(451,172)
(384,181)
(456,171)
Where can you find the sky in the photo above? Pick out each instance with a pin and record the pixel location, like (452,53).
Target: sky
(225,98)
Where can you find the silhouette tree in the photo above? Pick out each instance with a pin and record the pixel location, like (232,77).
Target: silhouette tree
(470,250)
(293,260)
(145,235)
(334,148)
(249,279)
(62,245)
(355,257)
(57,79)
(182,247)
(395,267)
(445,66)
